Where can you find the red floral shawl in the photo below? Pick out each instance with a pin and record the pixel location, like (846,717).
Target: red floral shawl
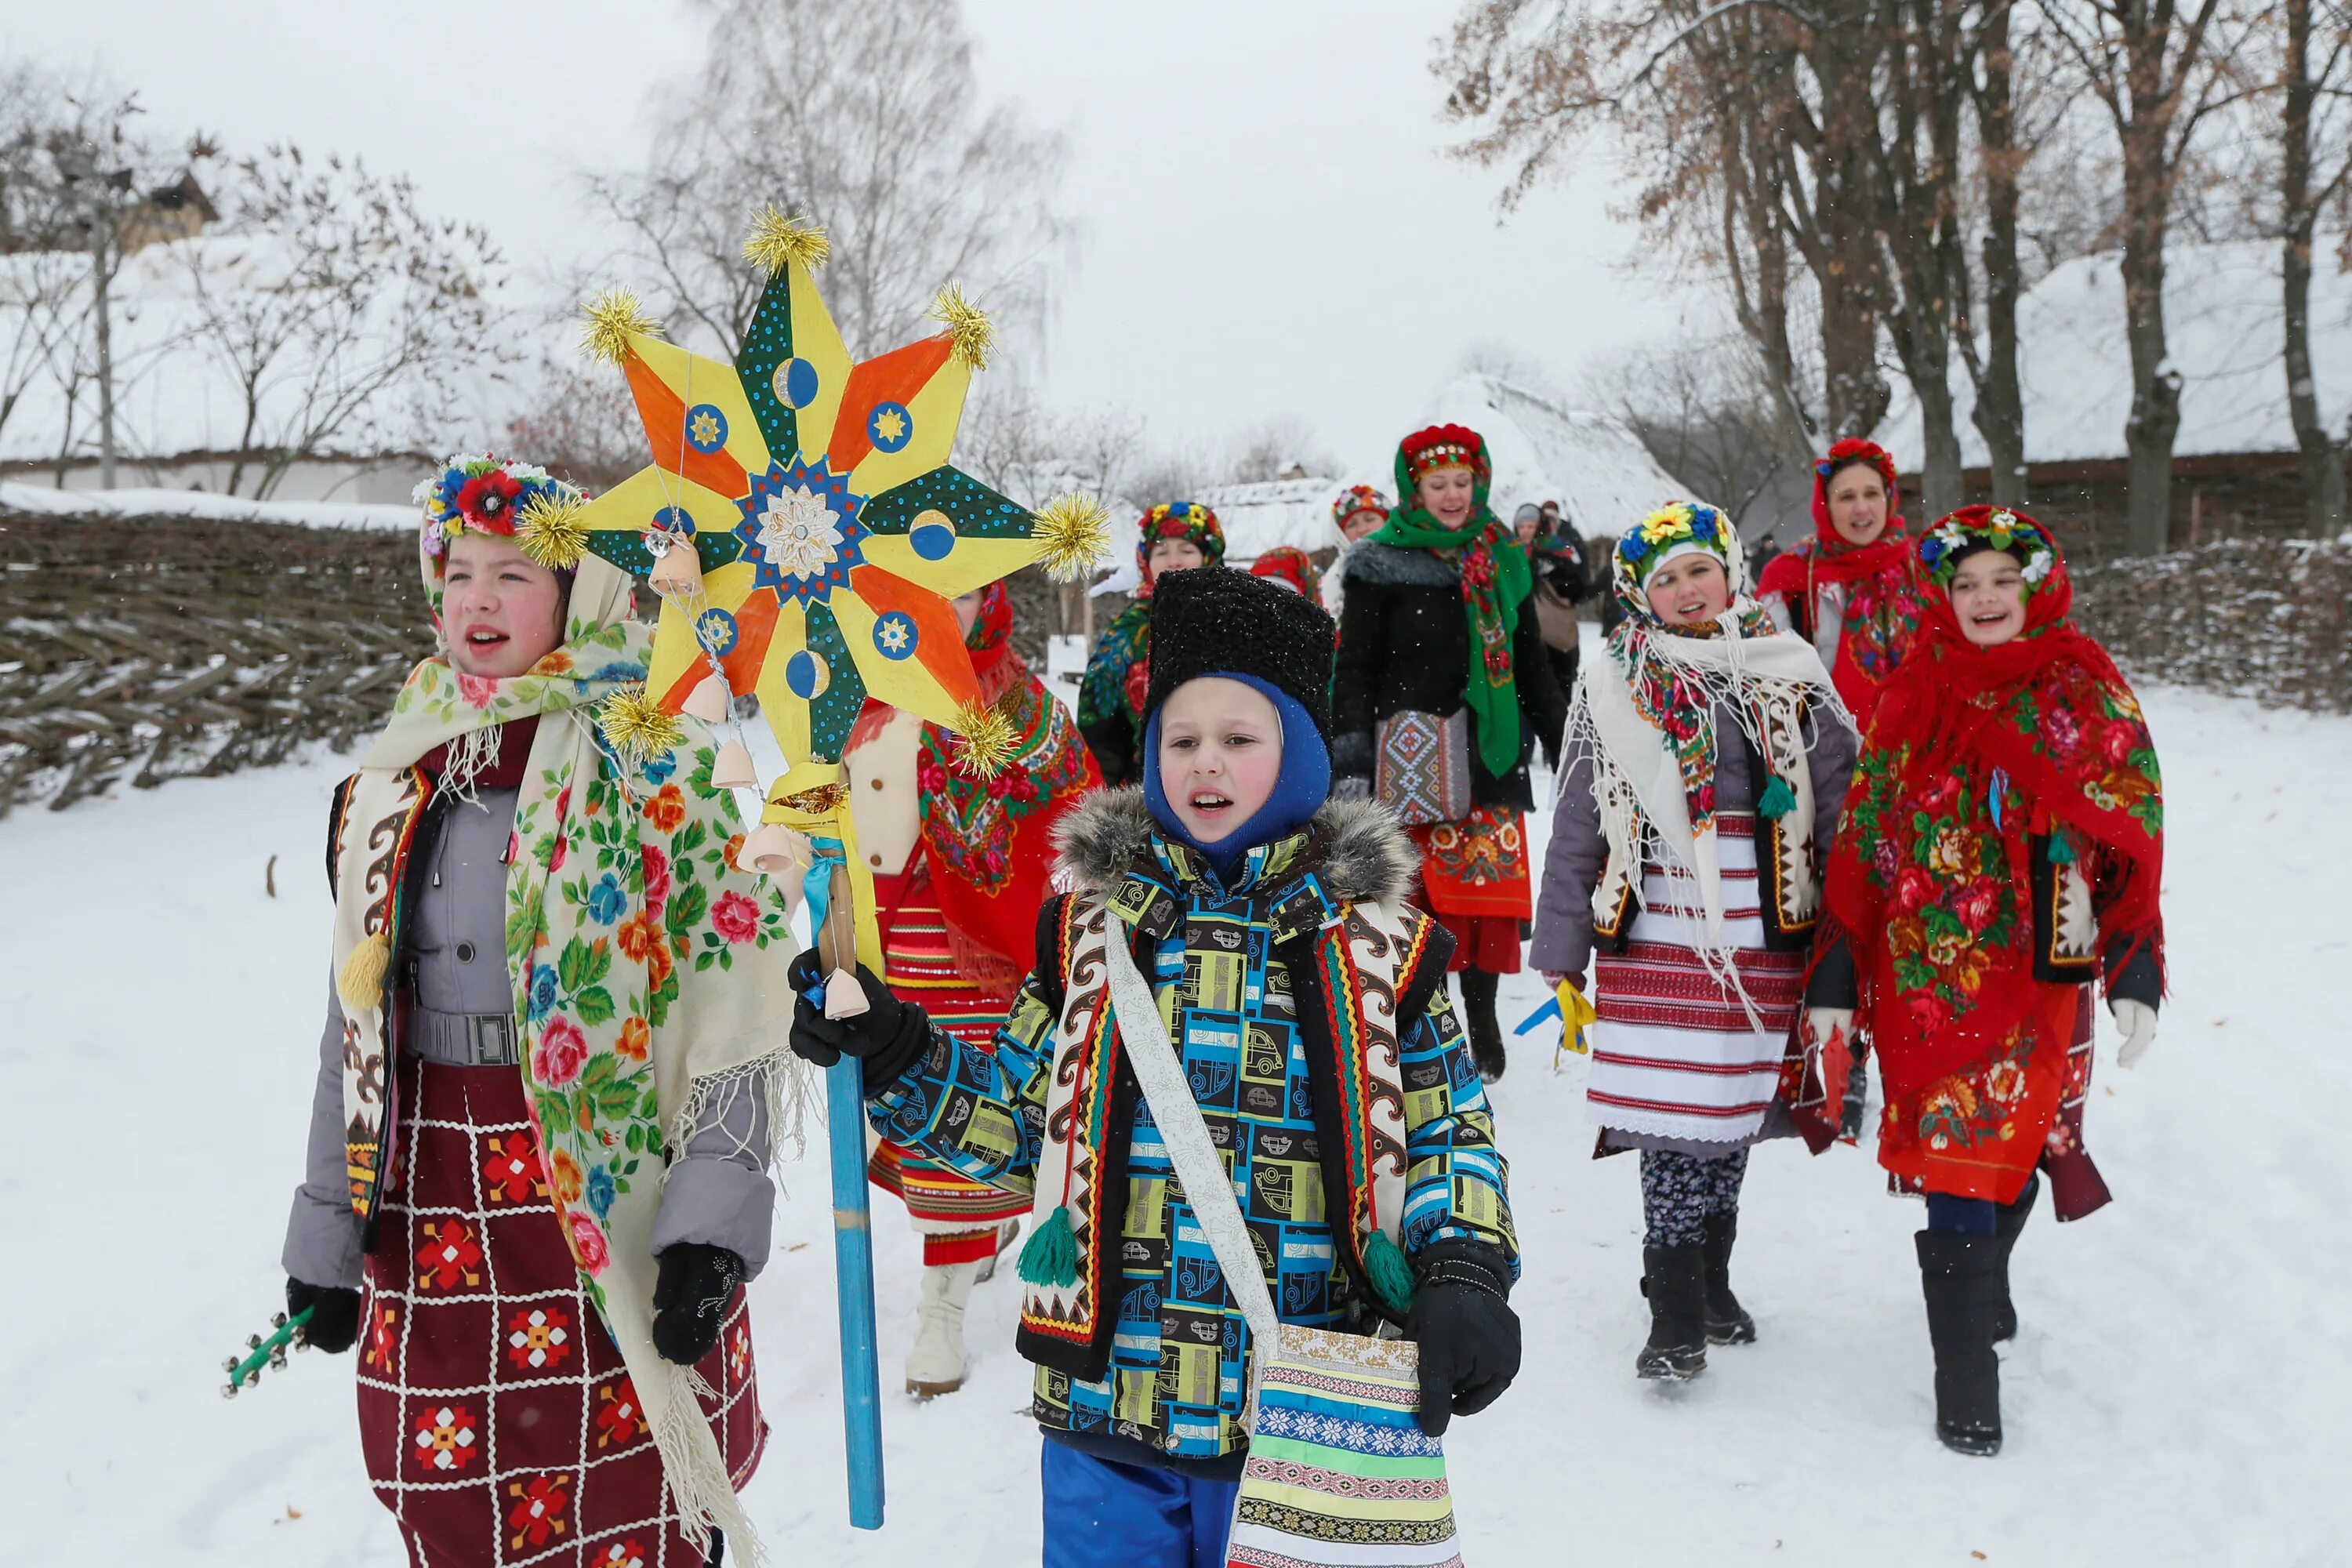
(989,843)
(1978,755)
(1883,598)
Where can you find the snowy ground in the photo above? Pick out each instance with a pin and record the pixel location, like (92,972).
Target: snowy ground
(2177,1395)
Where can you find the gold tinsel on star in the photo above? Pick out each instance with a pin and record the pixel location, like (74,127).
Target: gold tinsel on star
(609,320)
(549,530)
(779,238)
(1074,529)
(984,739)
(636,726)
(966,324)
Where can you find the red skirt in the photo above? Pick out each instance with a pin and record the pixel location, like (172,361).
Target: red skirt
(498,1419)
(956,1217)
(1475,882)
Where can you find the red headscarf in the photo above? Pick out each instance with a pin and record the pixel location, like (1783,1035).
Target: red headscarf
(989,843)
(1881,579)
(1979,756)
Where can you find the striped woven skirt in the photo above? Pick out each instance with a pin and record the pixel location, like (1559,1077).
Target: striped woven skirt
(956,1217)
(497,1417)
(1675,1054)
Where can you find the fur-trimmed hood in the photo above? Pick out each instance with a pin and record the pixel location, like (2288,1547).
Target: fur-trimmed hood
(1360,853)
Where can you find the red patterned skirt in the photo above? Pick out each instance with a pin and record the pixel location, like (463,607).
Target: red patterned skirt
(956,1217)
(1475,882)
(499,1421)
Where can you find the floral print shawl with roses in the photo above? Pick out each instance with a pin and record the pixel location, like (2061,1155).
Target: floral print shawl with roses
(1980,759)
(649,972)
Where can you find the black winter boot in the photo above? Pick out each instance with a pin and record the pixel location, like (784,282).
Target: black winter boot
(1726,1323)
(1486,1033)
(2009,1221)
(1675,1280)
(1958,1274)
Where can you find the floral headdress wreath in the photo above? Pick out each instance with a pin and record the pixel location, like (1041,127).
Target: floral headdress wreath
(1678,525)
(1179,520)
(481,492)
(1940,547)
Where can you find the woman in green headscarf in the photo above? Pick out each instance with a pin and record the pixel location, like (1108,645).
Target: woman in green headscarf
(1443,693)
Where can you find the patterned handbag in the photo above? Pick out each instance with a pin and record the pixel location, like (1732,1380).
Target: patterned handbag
(1339,1472)
(1421,766)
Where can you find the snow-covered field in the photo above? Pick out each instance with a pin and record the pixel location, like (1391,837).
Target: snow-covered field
(2178,1394)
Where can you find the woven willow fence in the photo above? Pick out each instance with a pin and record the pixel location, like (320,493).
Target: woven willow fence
(2265,619)
(140,650)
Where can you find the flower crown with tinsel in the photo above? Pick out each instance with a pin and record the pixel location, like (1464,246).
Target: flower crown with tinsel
(1444,447)
(1675,524)
(1356,498)
(1941,546)
(483,493)
(1853,448)
(1181,520)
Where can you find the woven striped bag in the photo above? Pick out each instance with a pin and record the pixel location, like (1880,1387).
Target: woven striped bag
(1339,1474)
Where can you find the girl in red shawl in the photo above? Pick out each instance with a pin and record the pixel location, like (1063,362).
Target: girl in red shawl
(1853,589)
(2001,849)
(959,872)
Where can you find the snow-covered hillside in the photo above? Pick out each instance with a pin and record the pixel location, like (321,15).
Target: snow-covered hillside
(2178,1394)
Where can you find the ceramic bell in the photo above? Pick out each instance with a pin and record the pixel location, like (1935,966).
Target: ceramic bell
(677,572)
(773,850)
(709,701)
(731,769)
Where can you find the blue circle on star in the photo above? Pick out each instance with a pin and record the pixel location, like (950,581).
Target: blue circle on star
(674,520)
(889,426)
(716,630)
(896,635)
(805,674)
(795,384)
(706,427)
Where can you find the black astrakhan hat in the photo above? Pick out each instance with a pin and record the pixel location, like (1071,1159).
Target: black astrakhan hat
(1213,620)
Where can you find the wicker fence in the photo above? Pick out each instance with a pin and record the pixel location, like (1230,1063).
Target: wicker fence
(144,650)
(2265,619)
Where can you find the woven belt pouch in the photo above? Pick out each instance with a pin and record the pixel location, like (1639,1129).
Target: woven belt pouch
(1338,1472)
(1421,766)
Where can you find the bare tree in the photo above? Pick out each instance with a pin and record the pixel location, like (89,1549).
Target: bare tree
(1704,413)
(863,115)
(337,309)
(2159,68)
(2315,164)
(1274,449)
(582,425)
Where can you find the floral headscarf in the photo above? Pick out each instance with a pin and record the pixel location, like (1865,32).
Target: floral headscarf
(1495,574)
(1881,594)
(1353,499)
(1288,565)
(1981,758)
(1177,519)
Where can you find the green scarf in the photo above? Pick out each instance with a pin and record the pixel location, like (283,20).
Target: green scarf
(1495,581)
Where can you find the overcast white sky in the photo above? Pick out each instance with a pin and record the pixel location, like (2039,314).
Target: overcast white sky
(1272,229)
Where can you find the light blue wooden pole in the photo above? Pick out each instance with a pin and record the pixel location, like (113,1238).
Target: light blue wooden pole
(834,918)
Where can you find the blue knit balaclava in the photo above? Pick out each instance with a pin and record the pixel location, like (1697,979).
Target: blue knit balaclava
(1301,786)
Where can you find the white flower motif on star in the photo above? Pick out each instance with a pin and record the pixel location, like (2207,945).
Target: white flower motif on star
(799,534)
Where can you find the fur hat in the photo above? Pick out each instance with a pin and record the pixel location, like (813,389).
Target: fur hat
(1224,623)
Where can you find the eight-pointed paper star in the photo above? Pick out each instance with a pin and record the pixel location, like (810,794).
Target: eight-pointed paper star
(817,495)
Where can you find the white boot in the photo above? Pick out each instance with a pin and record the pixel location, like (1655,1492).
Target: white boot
(936,1364)
(1006,1234)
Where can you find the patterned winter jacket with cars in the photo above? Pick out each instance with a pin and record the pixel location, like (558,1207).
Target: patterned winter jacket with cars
(1309,1003)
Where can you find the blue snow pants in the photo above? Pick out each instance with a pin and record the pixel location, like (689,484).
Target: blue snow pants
(1139,1515)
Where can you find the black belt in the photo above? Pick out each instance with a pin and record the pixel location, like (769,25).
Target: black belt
(463,1039)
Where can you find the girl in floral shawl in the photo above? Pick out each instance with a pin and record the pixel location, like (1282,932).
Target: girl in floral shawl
(549,1075)
(1706,759)
(1852,590)
(1174,536)
(2004,843)
(959,871)
(1441,694)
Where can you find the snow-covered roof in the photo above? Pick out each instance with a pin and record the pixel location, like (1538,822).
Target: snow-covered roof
(175,396)
(1592,464)
(43,500)
(2223,318)
(1259,517)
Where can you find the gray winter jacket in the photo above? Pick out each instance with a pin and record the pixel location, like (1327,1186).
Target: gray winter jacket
(1579,851)
(453,957)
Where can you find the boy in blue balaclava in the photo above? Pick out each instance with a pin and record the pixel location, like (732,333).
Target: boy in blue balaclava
(1365,1161)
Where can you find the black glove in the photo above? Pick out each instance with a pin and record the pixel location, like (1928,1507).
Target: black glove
(690,1297)
(335,1322)
(1469,1335)
(886,1036)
